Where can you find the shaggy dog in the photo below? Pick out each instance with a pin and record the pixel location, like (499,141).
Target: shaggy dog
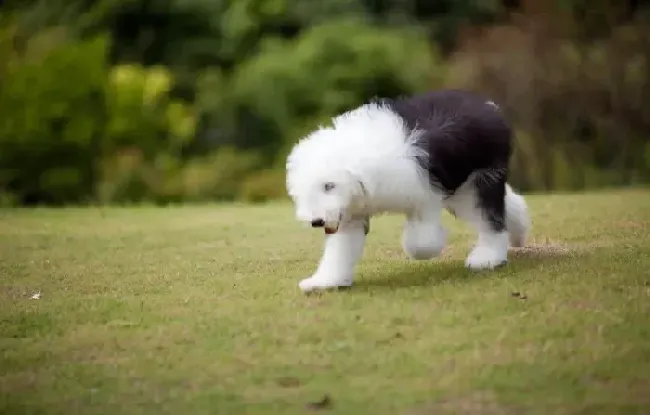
(414,156)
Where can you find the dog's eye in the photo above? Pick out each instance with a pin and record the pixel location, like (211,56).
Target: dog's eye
(328,186)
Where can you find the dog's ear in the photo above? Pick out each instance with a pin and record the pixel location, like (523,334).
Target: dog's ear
(362,187)
(357,182)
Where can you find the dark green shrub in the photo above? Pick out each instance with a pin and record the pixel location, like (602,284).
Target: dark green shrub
(51,101)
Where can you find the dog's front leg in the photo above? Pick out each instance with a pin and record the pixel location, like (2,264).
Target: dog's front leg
(342,252)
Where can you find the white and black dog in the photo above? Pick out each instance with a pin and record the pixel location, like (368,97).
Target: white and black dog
(416,156)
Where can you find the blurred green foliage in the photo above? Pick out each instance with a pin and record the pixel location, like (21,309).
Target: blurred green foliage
(127,101)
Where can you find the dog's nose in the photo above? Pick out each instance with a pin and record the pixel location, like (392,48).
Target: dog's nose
(317,223)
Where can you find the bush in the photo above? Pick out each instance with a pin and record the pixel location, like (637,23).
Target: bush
(141,113)
(51,101)
(264,186)
(129,178)
(219,175)
(146,132)
(74,130)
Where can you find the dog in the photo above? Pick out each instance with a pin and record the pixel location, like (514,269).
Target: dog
(415,156)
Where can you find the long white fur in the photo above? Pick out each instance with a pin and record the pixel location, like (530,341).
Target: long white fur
(369,154)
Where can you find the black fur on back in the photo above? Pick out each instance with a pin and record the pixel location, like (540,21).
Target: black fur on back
(462,134)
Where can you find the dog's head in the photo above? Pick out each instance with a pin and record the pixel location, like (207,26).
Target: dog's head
(327,199)
(331,173)
(324,189)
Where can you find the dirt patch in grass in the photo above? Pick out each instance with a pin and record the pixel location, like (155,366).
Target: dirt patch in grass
(542,251)
(15,293)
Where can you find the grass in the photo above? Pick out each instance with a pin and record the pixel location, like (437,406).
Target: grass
(196,310)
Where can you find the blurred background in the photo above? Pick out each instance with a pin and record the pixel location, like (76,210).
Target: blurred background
(168,101)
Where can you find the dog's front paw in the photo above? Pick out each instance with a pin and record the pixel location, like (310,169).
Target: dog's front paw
(485,257)
(321,283)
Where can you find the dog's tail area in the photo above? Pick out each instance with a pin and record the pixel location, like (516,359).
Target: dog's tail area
(517,217)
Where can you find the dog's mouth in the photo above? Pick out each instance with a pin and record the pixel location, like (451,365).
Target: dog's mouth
(330,230)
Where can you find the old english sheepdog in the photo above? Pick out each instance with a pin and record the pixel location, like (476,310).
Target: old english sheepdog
(414,156)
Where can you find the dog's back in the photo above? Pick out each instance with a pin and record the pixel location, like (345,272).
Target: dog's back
(463,133)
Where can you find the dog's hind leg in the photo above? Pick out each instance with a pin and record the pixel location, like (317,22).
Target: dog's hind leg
(343,250)
(517,217)
(481,202)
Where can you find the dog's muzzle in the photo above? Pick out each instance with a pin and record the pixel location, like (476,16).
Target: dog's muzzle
(320,223)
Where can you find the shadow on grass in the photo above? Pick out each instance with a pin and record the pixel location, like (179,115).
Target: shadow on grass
(432,272)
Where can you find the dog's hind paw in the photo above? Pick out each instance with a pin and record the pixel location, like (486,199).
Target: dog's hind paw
(485,257)
(316,283)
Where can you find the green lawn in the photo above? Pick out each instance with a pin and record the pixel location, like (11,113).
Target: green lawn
(196,310)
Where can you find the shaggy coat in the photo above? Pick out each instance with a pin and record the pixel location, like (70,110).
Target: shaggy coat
(415,156)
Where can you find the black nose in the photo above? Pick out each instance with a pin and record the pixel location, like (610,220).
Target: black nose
(317,223)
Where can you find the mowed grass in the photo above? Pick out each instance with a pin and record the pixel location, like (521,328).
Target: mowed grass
(196,310)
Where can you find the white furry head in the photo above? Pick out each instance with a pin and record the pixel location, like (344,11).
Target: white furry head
(342,171)
(325,195)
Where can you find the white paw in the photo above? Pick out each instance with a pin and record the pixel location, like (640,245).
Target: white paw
(318,283)
(485,257)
